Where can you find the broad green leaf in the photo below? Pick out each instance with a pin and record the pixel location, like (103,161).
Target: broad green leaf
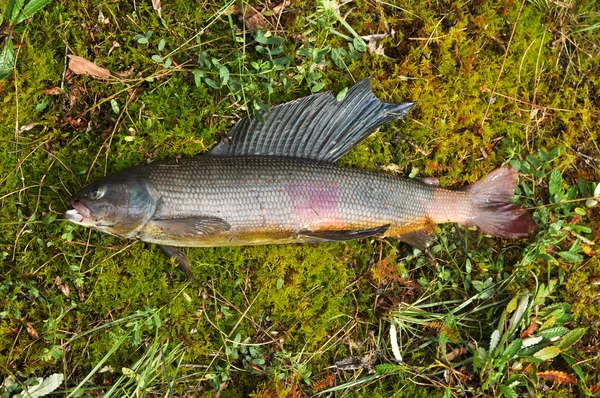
(44,387)
(7,59)
(571,257)
(548,323)
(531,341)
(511,351)
(494,339)
(211,83)
(224,74)
(115,106)
(508,392)
(571,338)
(30,8)
(342,94)
(552,332)
(515,320)
(529,351)
(161,44)
(479,357)
(512,304)
(554,185)
(573,364)
(13,10)
(547,353)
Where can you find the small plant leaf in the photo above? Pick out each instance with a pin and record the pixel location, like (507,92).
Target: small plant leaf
(547,353)
(548,323)
(512,304)
(13,10)
(531,341)
(573,364)
(511,351)
(479,357)
(552,332)
(494,339)
(161,45)
(387,368)
(571,257)
(30,8)
(394,342)
(593,202)
(224,74)
(342,94)
(211,83)
(115,106)
(7,59)
(508,392)
(554,185)
(571,338)
(515,320)
(44,387)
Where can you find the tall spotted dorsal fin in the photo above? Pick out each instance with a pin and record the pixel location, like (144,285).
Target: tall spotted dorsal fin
(316,127)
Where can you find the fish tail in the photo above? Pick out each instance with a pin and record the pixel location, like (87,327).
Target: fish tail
(493,212)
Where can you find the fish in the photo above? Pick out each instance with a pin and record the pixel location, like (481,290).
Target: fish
(274,179)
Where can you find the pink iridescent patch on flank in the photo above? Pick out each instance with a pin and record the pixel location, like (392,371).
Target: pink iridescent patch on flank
(314,203)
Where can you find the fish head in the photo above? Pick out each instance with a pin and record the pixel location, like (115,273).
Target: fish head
(118,204)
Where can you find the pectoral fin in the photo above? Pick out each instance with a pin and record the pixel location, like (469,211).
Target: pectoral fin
(182,261)
(324,236)
(190,227)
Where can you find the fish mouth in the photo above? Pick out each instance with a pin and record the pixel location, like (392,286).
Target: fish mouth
(79,214)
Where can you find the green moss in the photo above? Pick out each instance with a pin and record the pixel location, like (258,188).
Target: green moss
(306,306)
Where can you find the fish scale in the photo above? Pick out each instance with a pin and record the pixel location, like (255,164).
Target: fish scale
(284,196)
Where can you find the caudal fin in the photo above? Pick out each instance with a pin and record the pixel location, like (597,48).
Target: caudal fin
(494,214)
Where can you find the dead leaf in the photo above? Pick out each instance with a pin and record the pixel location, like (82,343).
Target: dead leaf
(115,44)
(257,18)
(52,91)
(157,7)
(32,332)
(81,66)
(278,9)
(530,330)
(63,288)
(124,74)
(26,127)
(392,168)
(102,19)
(557,376)
(457,352)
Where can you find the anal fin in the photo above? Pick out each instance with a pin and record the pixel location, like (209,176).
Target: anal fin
(421,238)
(324,236)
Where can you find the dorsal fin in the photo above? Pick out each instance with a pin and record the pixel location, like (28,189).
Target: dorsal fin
(316,127)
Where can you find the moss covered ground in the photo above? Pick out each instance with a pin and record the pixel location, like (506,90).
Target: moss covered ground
(496,82)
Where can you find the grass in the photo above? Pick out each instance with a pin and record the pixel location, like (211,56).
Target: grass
(498,82)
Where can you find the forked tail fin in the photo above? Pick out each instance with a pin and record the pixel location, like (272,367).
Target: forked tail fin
(494,214)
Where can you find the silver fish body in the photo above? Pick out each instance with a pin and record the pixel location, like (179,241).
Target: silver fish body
(260,200)
(274,180)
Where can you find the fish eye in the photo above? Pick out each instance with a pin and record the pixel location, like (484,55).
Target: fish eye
(96,193)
